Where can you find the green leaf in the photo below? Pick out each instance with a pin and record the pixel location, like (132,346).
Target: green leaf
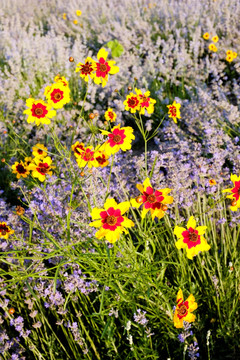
(116,48)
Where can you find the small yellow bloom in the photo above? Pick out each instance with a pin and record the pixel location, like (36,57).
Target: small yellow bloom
(206,36)
(110,115)
(212,182)
(41,167)
(75,22)
(215,38)
(78,12)
(39,151)
(183,310)
(21,169)
(64,16)
(5,230)
(213,48)
(234,54)
(174,111)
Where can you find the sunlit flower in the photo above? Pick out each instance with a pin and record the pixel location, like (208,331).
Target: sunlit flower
(21,169)
(215,38)
(154,201)
(39,111)
(41,167)
(206,36)
(39,151)
(234,54)
(62,80)
(119,138)
(57,95)
(132,103)
(86,157)
(104,68)
(145,102)
(87,70)
(191,238)
(183,311)
(101,157)
(110,115)
(75,22)
(212,182)
(212,47)
(235,193)
(174,111)
(78,148)
(78,12)
(5,230)
(28,160)
(111,221)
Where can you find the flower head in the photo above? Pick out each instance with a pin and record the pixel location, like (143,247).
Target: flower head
(39,111)
(111,221)
(5,230)
(183,311)
(132,103)
(104,68)
(206,36)
(235,193)
(87,70)
(87,157)
(78,148)
(154,201)
(21,169)
(57,95)
(41,167)
(212,47)
(110,115)
(145,102)
(62,80)
(212,182)
(215,38)
(39,151)
(119,138)
(101,158)
(191,238)
(174,111)
(75,22)
(78,12)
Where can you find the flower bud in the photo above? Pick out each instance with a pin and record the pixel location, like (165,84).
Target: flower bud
(139,199)
(71,59)
(234,203)
(91,116)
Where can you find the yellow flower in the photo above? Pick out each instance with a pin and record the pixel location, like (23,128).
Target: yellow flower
(215,38)
(5,230)
(234,54)
(110,115)
(57,95)
(119,138)
(104,68)
(132,103)
(41,167)
(212,182)
(174,111)
(87,69)
(21,169)
(78,148)
(235,193)
(62,80)
(191,239)
(75,22)
(78,12)
(39,151)
(39,111)
(213,48)
(206,36)
(64,16)
(145,102)
(86,157)
(111,221)
(154,201)
(183,311)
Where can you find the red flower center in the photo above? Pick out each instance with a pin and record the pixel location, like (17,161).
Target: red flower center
(39,110)
(87,155)
(151,199)
(101,159)
(182,310)
(117,138)
(110,114)
(86,69)
(133,102)
(40,151)
(144,101)
(78,149)
(21,169)
(56,95)
(191,237)
(43,168)
(111,220)
(4,229)
(173,111)
(102,68)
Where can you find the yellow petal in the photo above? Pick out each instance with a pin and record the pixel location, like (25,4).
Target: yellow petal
(235,178)
(178,231)
(134,203)
(113,236)
(102,54)
(191,223)
(123,207)
(114,70)
(201,229)
(127,222)
(110,203)
(180,244)
(100,233)
(146,184)
(144,212)
(96,223)
(139,187)
(179,295)
(95,214)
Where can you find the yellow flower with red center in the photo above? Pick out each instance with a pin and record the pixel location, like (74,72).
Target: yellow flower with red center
(206,36)
(184,309)
(57,95)
(101,158)
(132,103)
(78,12)
(111,221)
(145,102)
(110,115)
(191,238)
(39,151)
(104,68)
(152,200)
(119,138)
(28,160)
(62,80)
(234,54)
(78,148)
(212,182)
(86,157)
(5,230)
(41,167)
(174,111)
(39,112)
(235,193)
(87,70)
(215,38)
(212,47)
(21,169)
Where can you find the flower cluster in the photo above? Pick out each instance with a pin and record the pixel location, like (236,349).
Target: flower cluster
(139,102)
(99,70)
(230,55)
